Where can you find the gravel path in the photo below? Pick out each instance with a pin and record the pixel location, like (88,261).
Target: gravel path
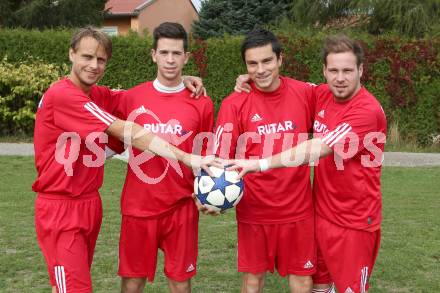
(391,158)
(16,149)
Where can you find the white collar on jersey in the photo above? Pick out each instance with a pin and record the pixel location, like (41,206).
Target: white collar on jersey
(168,90)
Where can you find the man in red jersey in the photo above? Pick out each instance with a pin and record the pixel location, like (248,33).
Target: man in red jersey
(275,216)
(351,124)
(157,207)
(71,124)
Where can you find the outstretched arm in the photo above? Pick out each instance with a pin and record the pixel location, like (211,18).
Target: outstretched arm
(305,152)
(135,135)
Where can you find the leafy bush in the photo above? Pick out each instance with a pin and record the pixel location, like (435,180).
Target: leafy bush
(21,87)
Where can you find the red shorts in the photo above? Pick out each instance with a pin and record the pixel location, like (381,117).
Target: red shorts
(290,248)
(176,234)
(67,230)
(345,256)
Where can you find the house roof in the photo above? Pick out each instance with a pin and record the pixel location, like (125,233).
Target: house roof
(126,7)
(129,7)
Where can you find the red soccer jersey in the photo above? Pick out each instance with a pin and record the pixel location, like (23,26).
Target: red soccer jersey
(155,185)
(66,120)
(347,182)
(258,125)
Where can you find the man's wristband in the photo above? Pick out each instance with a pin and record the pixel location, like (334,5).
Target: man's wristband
(263,164)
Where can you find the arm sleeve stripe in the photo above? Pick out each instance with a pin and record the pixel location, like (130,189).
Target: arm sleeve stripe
(330,138)
(334,132)
(218,134)
(98,115)
(102,112)
(339,137)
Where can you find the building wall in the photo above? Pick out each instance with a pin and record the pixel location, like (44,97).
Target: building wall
(180,11)
(123,24)
(135,23)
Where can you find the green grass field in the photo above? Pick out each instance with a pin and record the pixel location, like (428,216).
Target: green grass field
(409,260)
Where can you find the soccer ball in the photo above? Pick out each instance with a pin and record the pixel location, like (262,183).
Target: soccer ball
(220,192)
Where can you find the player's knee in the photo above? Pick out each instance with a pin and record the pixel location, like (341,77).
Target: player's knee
(179,287)
(300,284)
(132,285)
(253,283)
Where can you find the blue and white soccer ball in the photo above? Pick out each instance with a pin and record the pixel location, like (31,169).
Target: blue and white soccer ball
(220,192)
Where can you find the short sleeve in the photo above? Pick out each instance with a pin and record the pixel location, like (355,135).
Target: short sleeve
(350,130)
(77,113)
(227,125)
(207,125)
(208,117)
(120,109)
(115,100)
(106,98)
(311,102)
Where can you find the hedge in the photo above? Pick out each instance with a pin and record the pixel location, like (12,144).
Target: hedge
(402,73)
(21,86)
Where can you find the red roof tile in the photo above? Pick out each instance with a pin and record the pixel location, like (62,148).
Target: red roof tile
(123,6)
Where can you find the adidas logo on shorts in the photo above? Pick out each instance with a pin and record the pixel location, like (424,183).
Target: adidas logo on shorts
(349,290)
(190,268)
(308,265)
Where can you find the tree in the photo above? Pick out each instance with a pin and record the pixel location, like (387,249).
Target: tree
(414,18)
(320,12)
(53,13)
(411,17)
(234,17)
(7,7)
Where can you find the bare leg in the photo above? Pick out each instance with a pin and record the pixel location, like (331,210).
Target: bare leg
(179,287)
(132,285)
(300,284)
(253,283)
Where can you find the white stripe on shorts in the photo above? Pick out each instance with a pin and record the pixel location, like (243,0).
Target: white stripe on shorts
(60,278)
(364,279)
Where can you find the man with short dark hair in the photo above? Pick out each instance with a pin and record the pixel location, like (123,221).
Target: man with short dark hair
(275,216)
(71,127)
(158,211)
(351,125)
